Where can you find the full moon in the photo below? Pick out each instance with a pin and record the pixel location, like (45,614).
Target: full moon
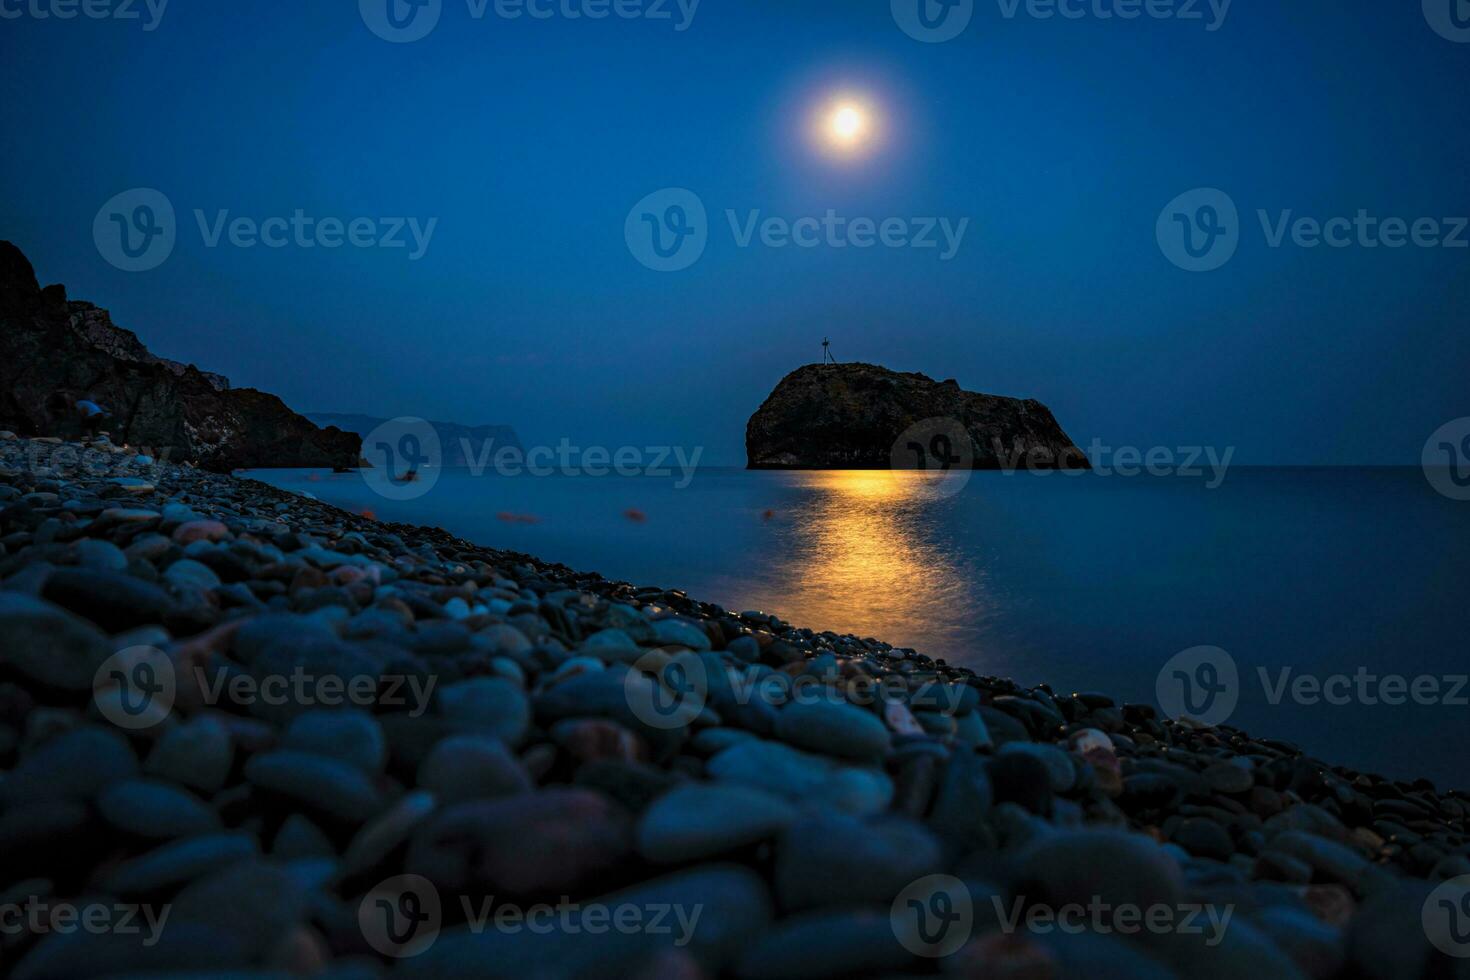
(845,125)
(848,124)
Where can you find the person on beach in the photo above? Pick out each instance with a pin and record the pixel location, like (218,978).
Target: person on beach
(91,415)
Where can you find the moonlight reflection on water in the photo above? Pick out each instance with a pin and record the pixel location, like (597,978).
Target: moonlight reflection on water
(866,553)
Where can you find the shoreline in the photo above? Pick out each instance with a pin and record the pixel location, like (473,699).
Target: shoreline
(800,781)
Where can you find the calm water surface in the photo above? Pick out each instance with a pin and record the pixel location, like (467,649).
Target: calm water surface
(1086,582)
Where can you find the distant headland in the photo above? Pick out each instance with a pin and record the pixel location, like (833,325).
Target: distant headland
(862,416)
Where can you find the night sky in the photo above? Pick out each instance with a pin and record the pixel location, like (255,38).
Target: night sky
(529,140)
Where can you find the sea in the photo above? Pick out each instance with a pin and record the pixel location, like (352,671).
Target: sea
(1336,597)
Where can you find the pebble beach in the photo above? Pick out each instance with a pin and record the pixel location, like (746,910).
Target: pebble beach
(282,739)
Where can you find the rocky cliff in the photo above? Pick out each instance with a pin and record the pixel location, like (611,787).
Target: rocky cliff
(861,416)
(95,324)
(54,353)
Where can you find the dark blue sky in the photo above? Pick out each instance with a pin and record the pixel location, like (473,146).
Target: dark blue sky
(529,140)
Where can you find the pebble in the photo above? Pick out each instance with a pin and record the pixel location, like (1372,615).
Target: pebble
(351,735)
(548,841)
(828,859)
(803,778)
(73,766)
(1099,865)
(95,553)
(592,739)
(840,730)
(191,574)
(965,797)
(1204,837)
(180,862)
(254,903)
(375,841)
(299,838)
(200,530)
(504,639)
(491,704)
(1060,771)
(1227,777)
(698,821)
(154,809)
(679,632)
(48,644)
(197,754)
(1022,778)
(115,601)
(320,783)
(825,944)
(472,767)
